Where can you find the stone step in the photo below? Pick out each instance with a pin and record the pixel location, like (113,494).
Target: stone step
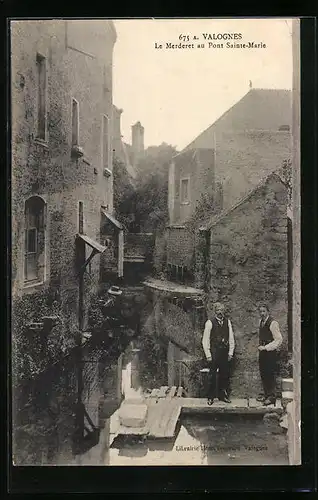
(237,406)
(287,395)
(253,403)
(287,384)
(133,415)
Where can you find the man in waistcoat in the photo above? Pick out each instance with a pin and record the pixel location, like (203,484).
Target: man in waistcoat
(218,345)
(270,339)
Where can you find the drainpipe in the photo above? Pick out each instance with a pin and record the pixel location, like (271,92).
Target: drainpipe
(120,253)
(79,353)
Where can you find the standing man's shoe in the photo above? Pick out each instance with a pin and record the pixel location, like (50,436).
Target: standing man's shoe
(269,401)
(225,399)
(260,398)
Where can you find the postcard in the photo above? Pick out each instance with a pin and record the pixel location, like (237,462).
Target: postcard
(155,241)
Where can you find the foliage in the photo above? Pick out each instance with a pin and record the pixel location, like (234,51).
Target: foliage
(206,207)
(152,367)
(124,193)
(285,172)
(152,188)
(145,206)
(31,353)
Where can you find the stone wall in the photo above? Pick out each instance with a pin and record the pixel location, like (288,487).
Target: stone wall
(243,159)
(46,419)
(248,264)
(198,167)
(47,169)
(139,245)
(180,247)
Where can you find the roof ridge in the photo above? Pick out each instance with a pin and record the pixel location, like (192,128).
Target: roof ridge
(213,124)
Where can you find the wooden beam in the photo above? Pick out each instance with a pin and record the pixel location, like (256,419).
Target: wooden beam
(179,392)
(163,391)
(87,261)
(172,392)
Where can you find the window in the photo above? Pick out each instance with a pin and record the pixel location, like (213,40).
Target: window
(34,239)
(75,122)
(184,190)
(41,75)
(105,141)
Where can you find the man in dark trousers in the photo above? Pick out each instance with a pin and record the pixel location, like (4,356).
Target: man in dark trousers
(218,344)
(270,339)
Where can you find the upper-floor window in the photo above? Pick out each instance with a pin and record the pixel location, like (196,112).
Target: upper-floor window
(105,141)
(75,122)
(184,189)
(34,250)
(41,112)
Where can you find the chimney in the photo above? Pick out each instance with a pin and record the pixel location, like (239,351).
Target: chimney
(137,142)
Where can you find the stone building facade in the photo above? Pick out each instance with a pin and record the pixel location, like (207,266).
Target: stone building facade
(62,194)
(229,175)
(247,264)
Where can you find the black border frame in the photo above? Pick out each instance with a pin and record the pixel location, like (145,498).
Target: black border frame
(22,480)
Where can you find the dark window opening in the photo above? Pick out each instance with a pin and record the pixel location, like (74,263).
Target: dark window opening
(34,240)
(41,73)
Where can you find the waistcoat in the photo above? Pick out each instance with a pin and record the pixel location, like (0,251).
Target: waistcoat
(265,335)
(219,336)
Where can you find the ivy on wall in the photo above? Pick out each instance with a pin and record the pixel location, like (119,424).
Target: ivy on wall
(32,353)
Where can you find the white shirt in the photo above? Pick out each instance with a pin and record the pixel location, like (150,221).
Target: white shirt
(206,338)
(277,336)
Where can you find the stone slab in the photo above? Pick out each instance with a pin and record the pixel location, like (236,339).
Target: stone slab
(287,384)
(288,395)
(239,406)
(133,415)
(166,418)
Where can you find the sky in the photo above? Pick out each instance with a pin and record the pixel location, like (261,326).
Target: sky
(178,93)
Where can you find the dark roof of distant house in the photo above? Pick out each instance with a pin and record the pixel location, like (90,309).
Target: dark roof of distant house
(259,109)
